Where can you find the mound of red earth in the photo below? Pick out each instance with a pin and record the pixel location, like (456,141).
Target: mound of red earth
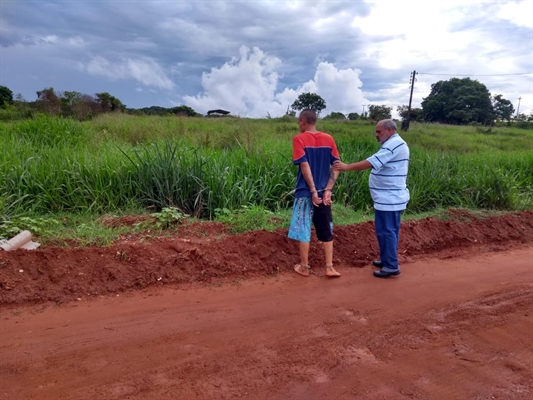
(205,252)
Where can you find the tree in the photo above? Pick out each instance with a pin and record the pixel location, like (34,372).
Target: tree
(6,96)
(309,100)
(48,101)
(152,110)
(414,115)
(458,101)
(68,101)
(520,117)
(335,115)
(377,113)
(353,116)
(85,107)
(109,103)
(184,110)
(503,108)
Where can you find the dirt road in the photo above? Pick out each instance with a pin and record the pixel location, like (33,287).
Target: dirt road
(458,328)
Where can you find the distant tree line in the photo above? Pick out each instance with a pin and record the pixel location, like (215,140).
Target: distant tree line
(183,111)
(455,101)
(76,105)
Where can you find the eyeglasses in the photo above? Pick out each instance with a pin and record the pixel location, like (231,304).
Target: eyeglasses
(379,131)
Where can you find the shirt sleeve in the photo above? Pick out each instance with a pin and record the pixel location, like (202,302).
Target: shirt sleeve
(334,152)
(382,157)
(298,151)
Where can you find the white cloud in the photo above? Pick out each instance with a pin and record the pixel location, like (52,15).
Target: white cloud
(163,48)
(454,37)
(406,38)
(340,88)
(520,13)
(100,66)
(145,71)
(248,86)
(75,41)
(245,85)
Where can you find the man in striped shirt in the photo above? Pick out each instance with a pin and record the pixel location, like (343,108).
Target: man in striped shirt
(389,192)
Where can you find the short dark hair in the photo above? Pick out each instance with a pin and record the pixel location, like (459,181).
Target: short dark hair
(309,116)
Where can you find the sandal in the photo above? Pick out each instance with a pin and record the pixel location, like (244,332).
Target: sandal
(302,269)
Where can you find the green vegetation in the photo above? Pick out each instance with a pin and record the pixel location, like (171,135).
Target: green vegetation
(309,100)
(249,218)
(238,171)
(379,112)
(76,105)
(6,96)
(459,101)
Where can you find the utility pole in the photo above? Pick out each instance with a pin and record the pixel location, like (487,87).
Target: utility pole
(364,105)
(405,123)
(518,108)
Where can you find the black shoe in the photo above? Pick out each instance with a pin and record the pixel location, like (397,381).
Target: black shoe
(377,264)
(385,274)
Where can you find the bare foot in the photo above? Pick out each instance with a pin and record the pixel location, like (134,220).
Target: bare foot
(331,272)
(300,269)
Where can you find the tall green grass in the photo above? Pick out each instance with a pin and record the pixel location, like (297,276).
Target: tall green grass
(201,165)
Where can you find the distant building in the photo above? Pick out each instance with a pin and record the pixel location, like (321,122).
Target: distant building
(219,111)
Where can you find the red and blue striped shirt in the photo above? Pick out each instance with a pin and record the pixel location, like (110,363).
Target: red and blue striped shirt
(320,151)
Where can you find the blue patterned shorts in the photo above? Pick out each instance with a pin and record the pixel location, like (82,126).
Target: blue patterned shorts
(304,214)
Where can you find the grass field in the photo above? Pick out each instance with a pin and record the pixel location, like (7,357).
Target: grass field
(237,170)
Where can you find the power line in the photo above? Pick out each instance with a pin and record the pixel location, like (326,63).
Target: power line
(431,73)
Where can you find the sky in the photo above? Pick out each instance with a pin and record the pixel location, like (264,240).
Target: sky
(254,58)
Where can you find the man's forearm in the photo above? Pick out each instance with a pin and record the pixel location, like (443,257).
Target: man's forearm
(333,175)
(308,176)
(359,166)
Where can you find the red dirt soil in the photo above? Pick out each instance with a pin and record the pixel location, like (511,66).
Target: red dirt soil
(208,315)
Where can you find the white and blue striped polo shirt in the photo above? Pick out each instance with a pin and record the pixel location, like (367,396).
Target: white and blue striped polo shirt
(388,176)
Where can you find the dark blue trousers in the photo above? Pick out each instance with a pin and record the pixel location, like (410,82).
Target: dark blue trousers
(387,224)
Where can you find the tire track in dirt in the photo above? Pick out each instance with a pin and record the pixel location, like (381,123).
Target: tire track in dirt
(445,329)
